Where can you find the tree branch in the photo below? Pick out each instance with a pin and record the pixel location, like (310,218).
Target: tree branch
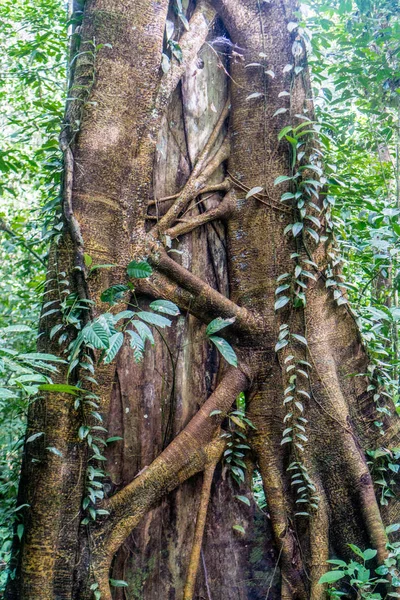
(223,211)
(189,453)
(199,531)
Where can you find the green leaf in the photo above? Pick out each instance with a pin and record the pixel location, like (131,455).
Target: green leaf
(62,388)
(296,228)
(118,583)
(239,528)
(6,394)
(243,499)
(215,412)
(282,179)
(331,576)
(357,550)
(281,344)
(280,111)
(283,300)
(225,349)
(369,554)
(144,331)
(165,306)
(54,450)
(393,528)
(299,338)
(114,438)
(34,436)
(254,191)
(136,341)
(116,342)
(114,293)
(153,319)
(282,134)
(218,324)
(95,335)
(254,95)
(34,356)
(139,270)
(16,329)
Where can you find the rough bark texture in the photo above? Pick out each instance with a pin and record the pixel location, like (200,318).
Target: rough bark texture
(148,143)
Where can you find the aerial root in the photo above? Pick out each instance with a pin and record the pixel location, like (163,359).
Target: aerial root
(199,532)
(224,186)
(368,502)
(319,543)
(223,211)
(205,166)
(292,584)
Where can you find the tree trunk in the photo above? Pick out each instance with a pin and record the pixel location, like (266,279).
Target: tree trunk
(201,134)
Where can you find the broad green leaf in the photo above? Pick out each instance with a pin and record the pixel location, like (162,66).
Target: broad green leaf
(165,306)
(393,528)
(254,95)
(115,344)
(139,270)
(283,300)
(218,324)
(331,576)
(296,228)
(114,293)
(144,331)
(34,356)
(299,338)
(225,349)
(153,319)
(95,335)
(369,554)
(282,179)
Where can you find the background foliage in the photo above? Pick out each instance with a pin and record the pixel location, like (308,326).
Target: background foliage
(355,59)
(33,48)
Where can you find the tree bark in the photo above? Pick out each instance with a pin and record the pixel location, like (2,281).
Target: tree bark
(146,171)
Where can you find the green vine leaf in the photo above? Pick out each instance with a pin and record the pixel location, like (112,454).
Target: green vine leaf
(296,228)
(254,191)
(225,349)
(283,300)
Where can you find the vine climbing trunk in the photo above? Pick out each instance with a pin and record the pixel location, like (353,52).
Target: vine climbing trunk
(193,176)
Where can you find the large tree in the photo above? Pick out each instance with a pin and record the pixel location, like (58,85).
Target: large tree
(192,175)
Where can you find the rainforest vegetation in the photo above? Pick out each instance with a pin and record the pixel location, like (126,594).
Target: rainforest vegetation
(199,299)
